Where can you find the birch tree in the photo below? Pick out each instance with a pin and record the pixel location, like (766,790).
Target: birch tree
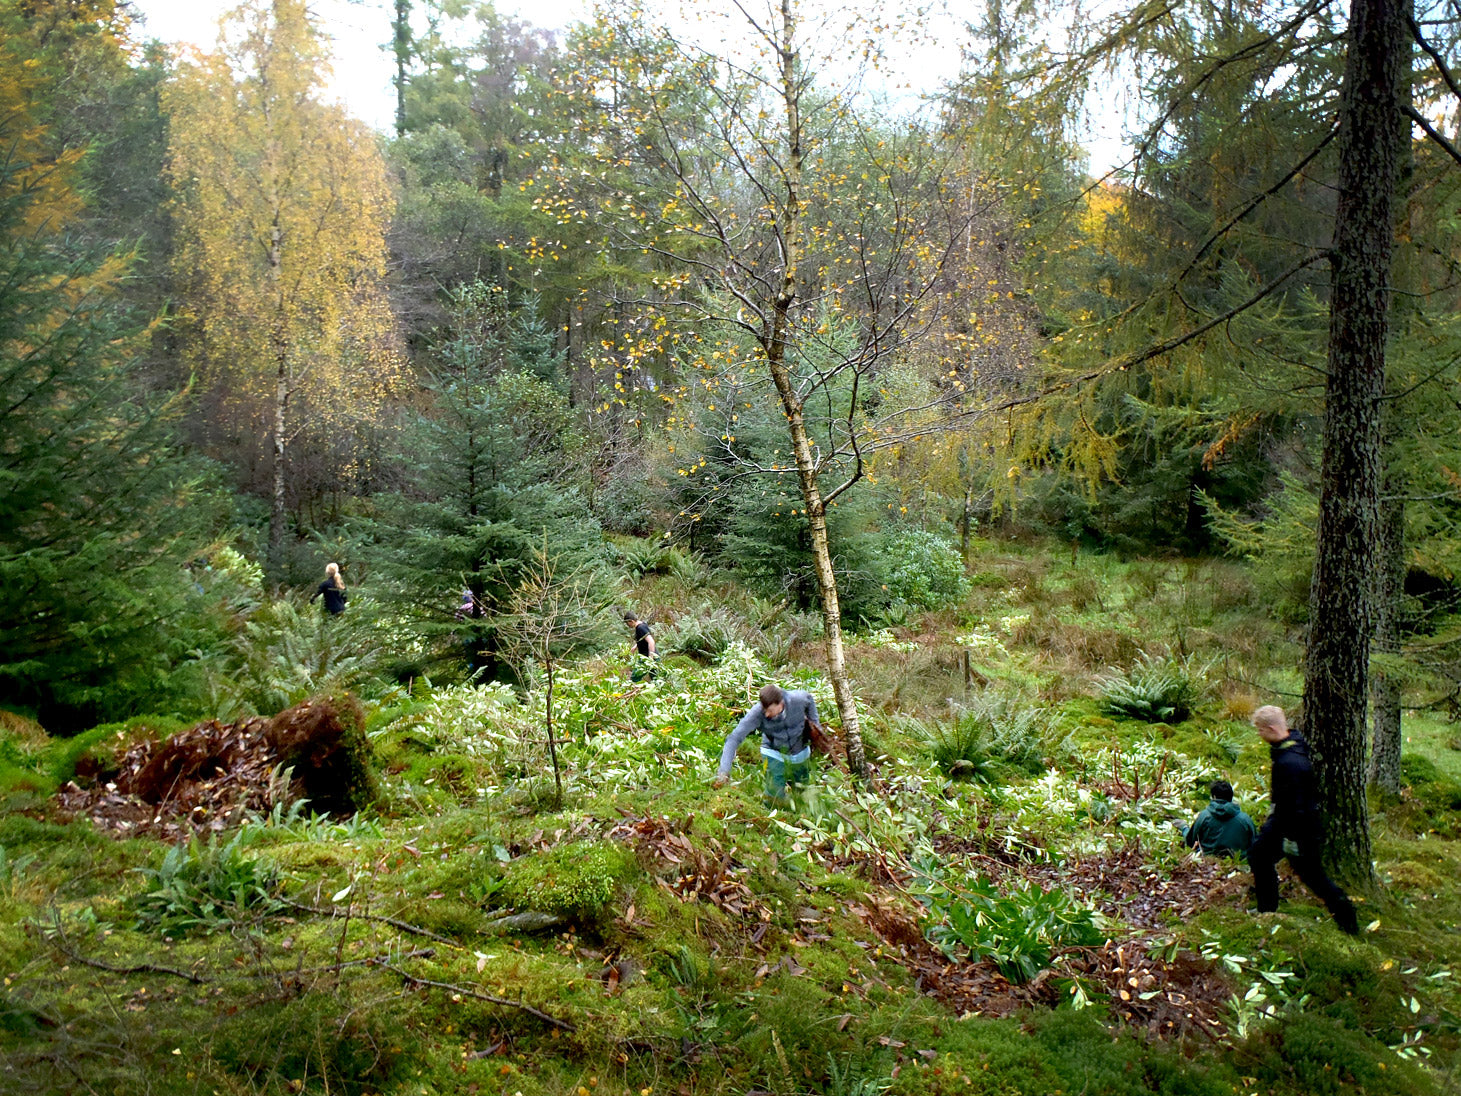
(281,207)
(796,253)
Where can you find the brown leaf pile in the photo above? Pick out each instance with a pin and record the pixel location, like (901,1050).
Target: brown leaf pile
(211,776)
(1123,884)
(692,872)
(978,987)
(1175,997)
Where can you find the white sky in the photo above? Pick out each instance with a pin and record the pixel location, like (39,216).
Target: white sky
(359,30)
(363,67)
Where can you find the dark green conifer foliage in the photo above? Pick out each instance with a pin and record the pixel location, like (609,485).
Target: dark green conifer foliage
(98,512)
(492,464)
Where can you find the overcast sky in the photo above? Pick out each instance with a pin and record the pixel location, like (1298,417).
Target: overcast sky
(358,30)
(363,68)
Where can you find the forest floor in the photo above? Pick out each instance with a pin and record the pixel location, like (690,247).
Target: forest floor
(1006,909)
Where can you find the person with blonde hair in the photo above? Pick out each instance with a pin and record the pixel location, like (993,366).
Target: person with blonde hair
(332,590)
(1295,826)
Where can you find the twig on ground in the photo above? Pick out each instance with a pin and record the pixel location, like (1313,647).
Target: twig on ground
(334,968)
(139,968)
(64,947)
(411,979)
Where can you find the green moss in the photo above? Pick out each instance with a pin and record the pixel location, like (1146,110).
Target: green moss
(578,880)
(455,774)
(1321,1056)
(318,1040)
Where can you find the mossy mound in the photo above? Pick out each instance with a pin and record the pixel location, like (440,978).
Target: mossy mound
(579,880)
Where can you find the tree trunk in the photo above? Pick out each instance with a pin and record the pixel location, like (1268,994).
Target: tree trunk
(283,386)
(774,344)
(278,510)
(1341,620)
(548,723)
(401,35)
(1389,589)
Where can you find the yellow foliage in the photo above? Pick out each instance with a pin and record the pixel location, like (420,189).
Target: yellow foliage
(45,176)
(281,205)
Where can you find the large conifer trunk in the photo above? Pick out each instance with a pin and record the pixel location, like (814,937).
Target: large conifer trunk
(1389,589)
(1341,618)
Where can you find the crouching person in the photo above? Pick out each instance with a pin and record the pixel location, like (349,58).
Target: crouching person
(786,744)
(1223,828)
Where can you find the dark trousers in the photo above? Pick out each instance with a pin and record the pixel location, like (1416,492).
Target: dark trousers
(1263,858)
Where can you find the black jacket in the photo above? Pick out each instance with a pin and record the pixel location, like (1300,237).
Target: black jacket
(1295,812)
(334,597)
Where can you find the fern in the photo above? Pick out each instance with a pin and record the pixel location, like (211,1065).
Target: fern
(1155,690)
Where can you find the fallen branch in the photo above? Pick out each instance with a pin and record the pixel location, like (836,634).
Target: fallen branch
(527,921)
(411,979)
(140,968)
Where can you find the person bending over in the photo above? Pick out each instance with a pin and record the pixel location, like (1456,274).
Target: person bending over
(786,744)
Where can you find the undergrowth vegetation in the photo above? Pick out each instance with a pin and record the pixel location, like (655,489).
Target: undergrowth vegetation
(1006,909)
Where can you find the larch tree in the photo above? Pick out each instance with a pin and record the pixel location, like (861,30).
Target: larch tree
(281,208)
(1239,264)
(1373,134)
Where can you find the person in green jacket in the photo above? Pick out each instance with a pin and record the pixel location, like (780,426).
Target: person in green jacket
(1223,828)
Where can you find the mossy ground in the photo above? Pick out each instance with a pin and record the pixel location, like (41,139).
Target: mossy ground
(735,962)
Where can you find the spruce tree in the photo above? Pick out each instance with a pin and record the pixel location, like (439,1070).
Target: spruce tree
(99,514)
(494,462)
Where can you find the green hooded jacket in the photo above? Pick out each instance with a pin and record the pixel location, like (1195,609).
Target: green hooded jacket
(1223,829)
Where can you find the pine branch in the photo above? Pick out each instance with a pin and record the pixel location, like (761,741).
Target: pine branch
(1430,131)
(1435,56)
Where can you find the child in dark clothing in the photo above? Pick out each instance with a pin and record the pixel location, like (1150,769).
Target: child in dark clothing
(1223,828)
(332,590)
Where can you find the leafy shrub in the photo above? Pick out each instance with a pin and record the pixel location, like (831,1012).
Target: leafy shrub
(290,650)
(578,880)
(1020,931)
(959,747)
(642,557)
(205,886)
(924,570)
(1155,690)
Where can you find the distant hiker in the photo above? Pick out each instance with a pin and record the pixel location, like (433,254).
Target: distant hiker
(468,607)
(1295,818)
(786,740)
(332,590)
(1223,828)
(643,653)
